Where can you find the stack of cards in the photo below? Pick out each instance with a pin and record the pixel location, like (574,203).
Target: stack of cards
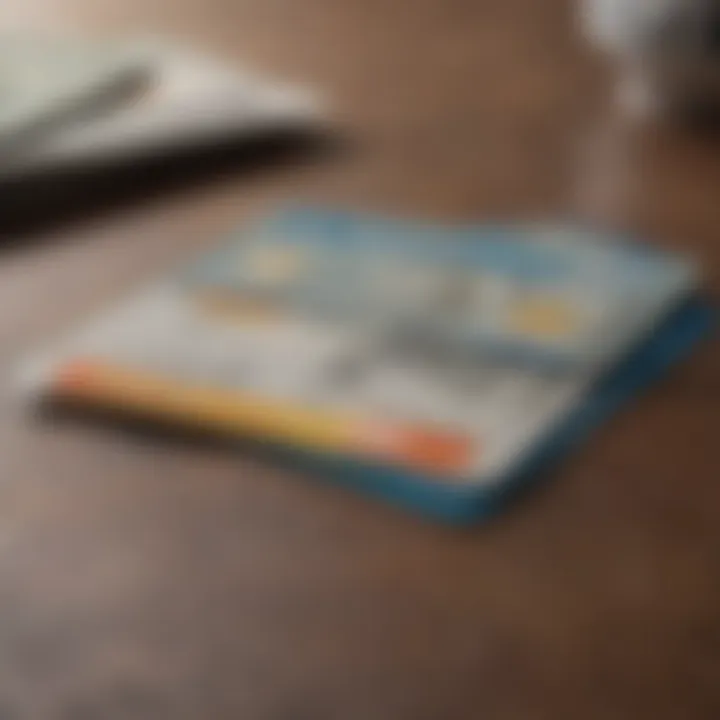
(437,367)
(65,101)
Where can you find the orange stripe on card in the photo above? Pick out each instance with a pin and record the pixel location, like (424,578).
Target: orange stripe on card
(235,412)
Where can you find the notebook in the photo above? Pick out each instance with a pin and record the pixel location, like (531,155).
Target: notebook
(439,367)
(190,99)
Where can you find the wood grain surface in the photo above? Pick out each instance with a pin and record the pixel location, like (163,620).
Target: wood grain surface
(151,580)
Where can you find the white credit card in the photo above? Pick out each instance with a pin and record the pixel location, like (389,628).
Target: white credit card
(46,82)
(191,100)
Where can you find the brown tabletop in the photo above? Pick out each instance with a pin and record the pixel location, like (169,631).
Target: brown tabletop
(151,580)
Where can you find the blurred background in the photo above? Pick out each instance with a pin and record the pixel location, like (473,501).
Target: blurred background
(155,580)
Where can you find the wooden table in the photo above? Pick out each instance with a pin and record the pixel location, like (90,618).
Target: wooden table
(146,580)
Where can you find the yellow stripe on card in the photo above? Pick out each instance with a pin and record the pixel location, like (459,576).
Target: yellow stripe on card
(239,413)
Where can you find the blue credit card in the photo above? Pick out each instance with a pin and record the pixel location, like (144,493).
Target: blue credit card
(555,296)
